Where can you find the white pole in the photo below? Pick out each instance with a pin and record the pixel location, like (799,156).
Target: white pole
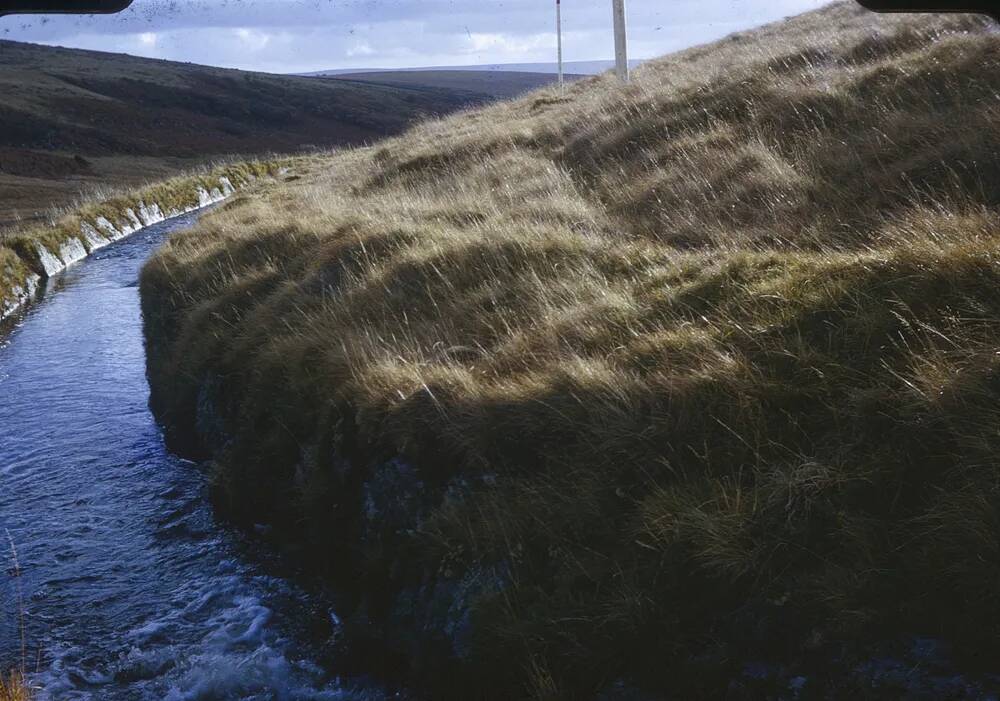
(559,40)
(621,40)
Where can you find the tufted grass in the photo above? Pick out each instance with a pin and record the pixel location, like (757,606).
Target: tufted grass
(14,687)
(716,352)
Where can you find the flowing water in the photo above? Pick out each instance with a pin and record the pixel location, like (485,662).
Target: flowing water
(129,588)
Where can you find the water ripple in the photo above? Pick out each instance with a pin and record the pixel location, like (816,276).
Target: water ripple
(131,589)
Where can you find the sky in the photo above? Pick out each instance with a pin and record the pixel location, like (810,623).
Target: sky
(295,36)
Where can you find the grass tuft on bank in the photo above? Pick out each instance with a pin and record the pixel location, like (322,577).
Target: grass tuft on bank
(173,194)
(692,373)
(15,688)
(96,220)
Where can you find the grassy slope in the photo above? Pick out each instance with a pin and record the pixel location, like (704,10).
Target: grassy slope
(482,86)
(703,369)
(159,116)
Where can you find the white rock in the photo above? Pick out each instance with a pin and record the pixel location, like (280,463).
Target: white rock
(150,214)
(108,228)
(50,263)
(93,236)
(20,294)
(72,251)
(134,218)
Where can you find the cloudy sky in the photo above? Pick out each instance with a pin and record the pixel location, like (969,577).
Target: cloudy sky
(306,35)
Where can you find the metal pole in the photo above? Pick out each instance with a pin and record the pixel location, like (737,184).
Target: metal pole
(559,40)
(621,40)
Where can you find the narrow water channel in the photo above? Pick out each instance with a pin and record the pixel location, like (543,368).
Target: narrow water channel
(130,588)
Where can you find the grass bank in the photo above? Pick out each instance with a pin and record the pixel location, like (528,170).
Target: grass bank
(27,255)
(650,386)
(15,688)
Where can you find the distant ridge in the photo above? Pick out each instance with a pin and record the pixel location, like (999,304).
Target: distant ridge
(480,86)
(575,67)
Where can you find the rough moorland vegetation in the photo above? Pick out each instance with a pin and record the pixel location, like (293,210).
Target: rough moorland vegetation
(658,385)
(13,687)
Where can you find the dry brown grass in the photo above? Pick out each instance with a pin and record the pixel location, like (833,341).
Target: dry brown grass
(110,200)
(14,687)
(720,342)
(19,256)
(33,200)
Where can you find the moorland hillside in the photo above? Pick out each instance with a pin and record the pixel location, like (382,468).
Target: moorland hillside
(688,386)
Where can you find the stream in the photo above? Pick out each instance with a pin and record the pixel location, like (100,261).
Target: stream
(127,585)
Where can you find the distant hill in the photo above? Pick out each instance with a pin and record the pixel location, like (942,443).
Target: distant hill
(569,67)
(482,86)
(72,119)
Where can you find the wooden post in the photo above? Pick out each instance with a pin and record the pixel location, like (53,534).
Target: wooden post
(559,40)
(621,40)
